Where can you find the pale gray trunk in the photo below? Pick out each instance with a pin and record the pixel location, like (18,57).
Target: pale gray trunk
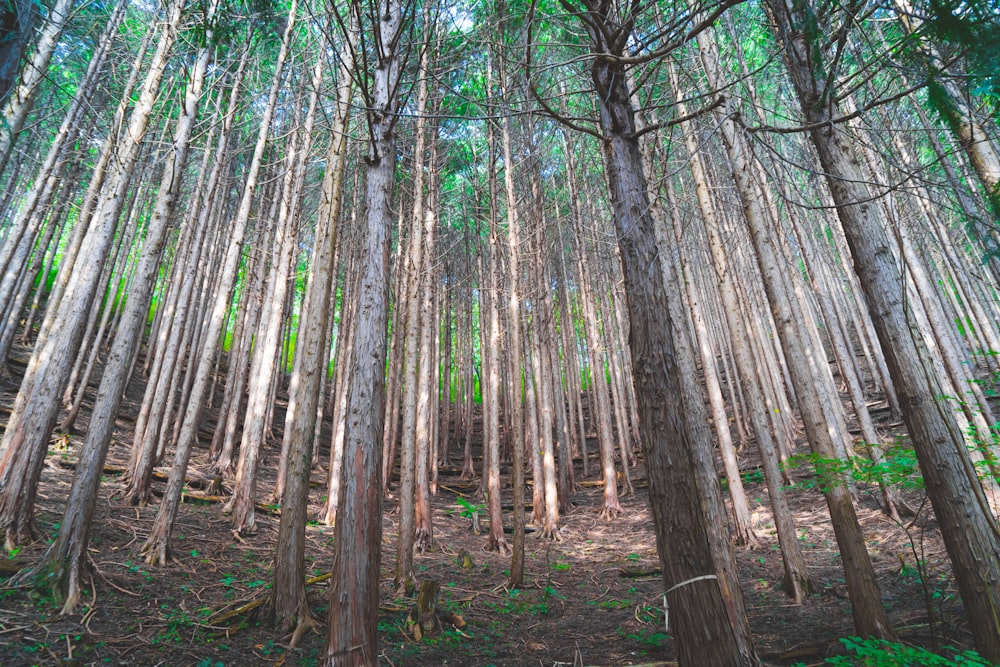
(22,98)
(64,561)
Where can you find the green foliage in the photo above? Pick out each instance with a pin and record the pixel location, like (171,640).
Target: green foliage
(611,604)
(646,637)
(827,471)
(899,467)
(468,509)
(178,623)
(519,602)
(970,26)
(882,653)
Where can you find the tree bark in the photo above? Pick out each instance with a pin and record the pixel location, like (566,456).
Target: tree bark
(709,619)
(353,635)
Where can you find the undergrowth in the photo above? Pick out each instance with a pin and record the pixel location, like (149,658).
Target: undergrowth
(882,653)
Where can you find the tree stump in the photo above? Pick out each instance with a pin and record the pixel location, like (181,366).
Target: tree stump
(427,622)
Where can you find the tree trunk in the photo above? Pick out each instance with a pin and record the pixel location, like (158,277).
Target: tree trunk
(413,361)
(267,342)
(709,620)
(22,98)
(60,566)
(353,634)
(22,452)
(17,23)
(491,388)
(812,382)
(288,596)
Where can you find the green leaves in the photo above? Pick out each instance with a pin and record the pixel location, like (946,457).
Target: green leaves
(882,653)
(971,28)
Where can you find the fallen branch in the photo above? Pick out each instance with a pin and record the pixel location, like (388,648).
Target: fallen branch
(194,479)
(637,572)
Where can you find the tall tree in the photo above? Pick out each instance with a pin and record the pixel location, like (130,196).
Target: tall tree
(60,567)
(21,99)
(352,637)
(288,595)
(709,619)
(155,547)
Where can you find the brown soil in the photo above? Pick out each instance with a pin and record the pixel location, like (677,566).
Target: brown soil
(577,607)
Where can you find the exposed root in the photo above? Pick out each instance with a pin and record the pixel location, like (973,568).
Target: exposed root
(110,583)
(611,511)
(422,541)
(17,536)
(552,533)
(306,623)
(10,567)
(227,614)
(155,552)
(747,540)
(499,545)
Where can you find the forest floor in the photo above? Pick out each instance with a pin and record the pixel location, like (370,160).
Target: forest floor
(584,602)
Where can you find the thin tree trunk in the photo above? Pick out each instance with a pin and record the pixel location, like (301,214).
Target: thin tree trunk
(288,596)
(412,360)
(22,98)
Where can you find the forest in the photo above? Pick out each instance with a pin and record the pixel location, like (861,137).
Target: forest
(500,332)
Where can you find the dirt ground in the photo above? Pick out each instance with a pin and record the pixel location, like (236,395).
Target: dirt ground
(583,603)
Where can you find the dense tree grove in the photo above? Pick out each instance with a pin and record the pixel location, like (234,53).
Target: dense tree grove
(671,228)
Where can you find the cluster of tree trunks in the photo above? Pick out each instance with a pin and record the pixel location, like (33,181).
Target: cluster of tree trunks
(219,213)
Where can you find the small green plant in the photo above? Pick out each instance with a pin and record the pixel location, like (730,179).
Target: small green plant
(898,467)
(177,623)
(646,637)
(468,509)
(649,614)
(615,604)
